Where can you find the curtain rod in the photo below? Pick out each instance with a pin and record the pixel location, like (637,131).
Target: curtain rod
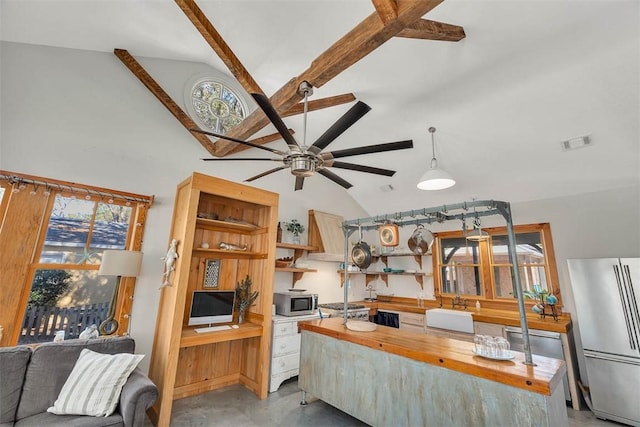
(21,181)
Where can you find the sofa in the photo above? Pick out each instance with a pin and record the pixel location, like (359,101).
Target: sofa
(31,380)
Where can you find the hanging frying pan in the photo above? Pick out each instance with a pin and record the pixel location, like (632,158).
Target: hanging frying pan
(361,253)
(420,241)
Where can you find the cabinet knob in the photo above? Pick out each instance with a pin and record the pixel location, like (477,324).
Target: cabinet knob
(283,346)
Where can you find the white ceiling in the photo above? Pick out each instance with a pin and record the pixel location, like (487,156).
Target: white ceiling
(528,75)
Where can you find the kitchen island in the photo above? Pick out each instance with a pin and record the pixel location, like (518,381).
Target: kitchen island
(390,377)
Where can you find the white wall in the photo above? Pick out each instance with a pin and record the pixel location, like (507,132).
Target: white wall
(83,117)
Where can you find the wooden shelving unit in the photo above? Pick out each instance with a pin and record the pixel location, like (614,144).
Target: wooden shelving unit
(298,251)
(384,275)
(183,362)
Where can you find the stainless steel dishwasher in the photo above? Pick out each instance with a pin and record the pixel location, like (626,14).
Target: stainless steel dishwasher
(543,343)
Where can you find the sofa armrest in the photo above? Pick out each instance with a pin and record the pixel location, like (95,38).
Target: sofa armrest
(138,394)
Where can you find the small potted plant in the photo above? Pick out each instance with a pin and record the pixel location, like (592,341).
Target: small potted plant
(295,228)
(244,297)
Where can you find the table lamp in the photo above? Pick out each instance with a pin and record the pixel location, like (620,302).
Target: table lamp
(117,263)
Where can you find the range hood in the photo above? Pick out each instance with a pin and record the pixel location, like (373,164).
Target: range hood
(325,233)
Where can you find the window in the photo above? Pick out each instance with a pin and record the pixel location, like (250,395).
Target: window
(79,230)
(216,105)
(460,267)
(483,269)
(66,286)
(53,235)
(531,263)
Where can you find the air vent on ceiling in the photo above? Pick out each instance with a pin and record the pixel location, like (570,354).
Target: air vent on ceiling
(575,143)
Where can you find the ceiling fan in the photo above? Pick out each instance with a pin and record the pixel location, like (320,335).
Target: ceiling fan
(303,160)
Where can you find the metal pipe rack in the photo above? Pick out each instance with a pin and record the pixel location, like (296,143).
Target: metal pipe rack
(454,212)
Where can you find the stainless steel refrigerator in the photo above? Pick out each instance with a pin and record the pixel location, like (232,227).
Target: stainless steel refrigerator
(607,297)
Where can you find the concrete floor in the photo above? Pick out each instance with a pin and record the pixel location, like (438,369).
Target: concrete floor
(236,406)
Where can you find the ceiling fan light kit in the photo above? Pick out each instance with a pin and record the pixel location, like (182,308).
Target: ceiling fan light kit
(435,178)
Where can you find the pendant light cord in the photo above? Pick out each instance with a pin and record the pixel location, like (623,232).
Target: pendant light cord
(434,162)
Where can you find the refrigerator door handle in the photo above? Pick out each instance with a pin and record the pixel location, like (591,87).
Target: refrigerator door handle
(633,305)
(619,281)
(611,357)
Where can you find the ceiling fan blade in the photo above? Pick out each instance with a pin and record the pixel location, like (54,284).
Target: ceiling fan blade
(361,168)
(354,114)
(335,178)
(212,159)
(299,183)
(275,119)
(239,141)
(270,171)
(377,148)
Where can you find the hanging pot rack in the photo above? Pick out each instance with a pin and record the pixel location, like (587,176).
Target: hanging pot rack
(440,214)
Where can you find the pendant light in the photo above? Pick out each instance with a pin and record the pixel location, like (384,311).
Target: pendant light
(477,234)
(435,178)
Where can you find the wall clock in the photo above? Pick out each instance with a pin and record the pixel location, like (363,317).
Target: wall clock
(389,235)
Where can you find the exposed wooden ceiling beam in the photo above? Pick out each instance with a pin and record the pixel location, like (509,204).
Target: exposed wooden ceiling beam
(142,75)
(215,40)
(433,30)
(318,104)
(387,9)
(355,45)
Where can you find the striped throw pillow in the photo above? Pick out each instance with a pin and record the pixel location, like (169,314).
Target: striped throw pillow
(94,385)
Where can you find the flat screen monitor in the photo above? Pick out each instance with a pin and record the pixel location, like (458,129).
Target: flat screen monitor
(209,307)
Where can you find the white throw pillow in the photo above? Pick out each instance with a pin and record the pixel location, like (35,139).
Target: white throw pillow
(94,385)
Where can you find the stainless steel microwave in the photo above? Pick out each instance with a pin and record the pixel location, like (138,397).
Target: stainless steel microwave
(295,303)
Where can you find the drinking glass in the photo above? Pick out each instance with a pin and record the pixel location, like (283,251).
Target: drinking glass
(503,348)
(491,347)
(478,340)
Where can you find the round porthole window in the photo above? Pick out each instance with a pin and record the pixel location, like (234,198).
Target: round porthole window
(215,105)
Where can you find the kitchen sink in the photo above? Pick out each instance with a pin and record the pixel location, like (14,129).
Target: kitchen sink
(453,320)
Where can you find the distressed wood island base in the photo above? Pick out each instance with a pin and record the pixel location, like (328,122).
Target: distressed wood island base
(390,377)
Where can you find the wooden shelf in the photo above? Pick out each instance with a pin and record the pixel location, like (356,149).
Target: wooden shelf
(223,253)
(371,275)
(191,338)
(294,246)
(390,273)
(297,270)
(185,363)
(418,258)
(237,227)
(298,251)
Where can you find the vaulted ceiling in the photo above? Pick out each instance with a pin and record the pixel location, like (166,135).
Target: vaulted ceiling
(528,75)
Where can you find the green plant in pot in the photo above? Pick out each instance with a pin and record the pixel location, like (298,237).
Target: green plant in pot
(245,298)
(296,228)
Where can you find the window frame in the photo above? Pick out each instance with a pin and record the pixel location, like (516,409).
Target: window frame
(44,190)
(489,296)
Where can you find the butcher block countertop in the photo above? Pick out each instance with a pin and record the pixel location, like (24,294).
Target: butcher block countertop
(501,317)
(448,353)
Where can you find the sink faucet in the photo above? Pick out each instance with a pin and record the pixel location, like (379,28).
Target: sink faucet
(458,301)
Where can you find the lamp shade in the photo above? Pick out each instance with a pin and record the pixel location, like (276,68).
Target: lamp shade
(120,263)
(435,179)
(477,235)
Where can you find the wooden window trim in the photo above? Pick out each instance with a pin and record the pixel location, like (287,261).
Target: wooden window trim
(489,299)
(17,270)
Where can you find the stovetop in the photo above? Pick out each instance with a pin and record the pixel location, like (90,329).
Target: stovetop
(339,306)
